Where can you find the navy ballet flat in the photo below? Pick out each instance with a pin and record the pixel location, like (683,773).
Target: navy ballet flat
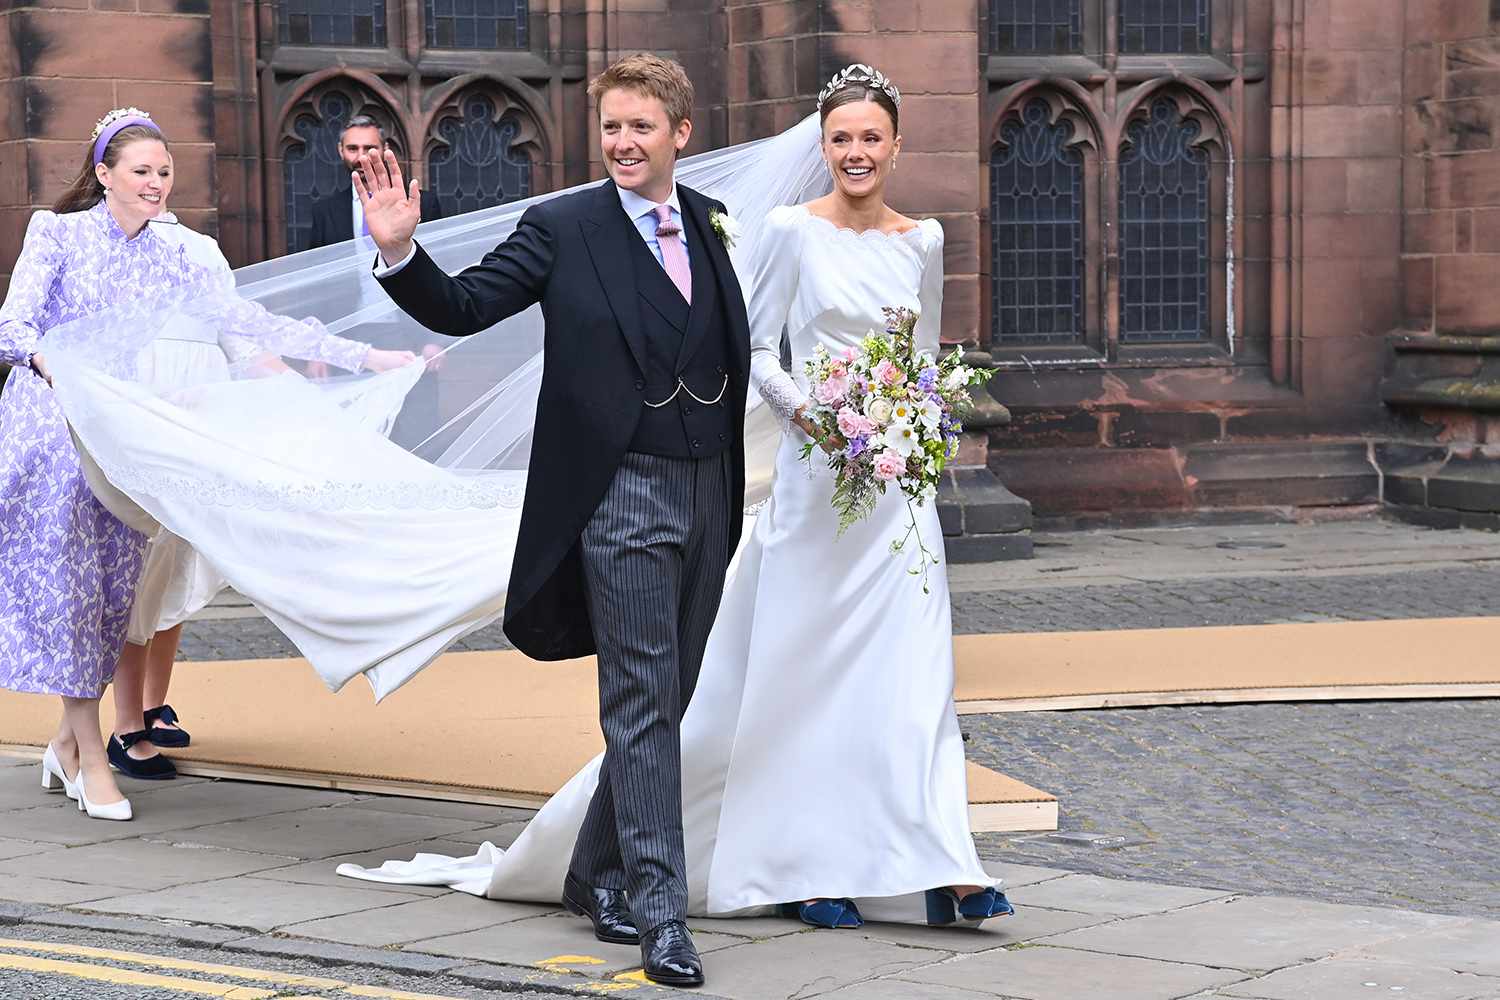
(830,913)
(944,907)
(161,736)
(157,768)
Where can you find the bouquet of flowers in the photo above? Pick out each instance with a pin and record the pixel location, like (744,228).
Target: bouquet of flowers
(892,414)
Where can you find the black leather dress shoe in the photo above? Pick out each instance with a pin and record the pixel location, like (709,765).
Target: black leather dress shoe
(669,957)
(605,907)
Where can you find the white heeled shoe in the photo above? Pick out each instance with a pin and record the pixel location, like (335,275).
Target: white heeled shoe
(119,811)
(52,769)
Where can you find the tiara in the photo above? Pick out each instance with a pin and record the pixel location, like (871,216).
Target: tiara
(115,116)
(860,74)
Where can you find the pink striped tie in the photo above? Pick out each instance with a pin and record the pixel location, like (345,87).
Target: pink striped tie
(673,253)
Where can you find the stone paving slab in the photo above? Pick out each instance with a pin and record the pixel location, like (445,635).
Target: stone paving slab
(1470,947)
(1344,979)
(55,892)
(411,923)
(900,989)
(177,810)
(1092,894)
(324,832)
(1254,933)
(809,965)
(259,904)
(21,848)
(1045,973)
(138,864)
(1028,924)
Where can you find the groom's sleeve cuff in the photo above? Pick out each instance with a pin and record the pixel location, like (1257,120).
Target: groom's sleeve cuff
(385,272)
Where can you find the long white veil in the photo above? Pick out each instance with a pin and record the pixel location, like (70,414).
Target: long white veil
(371,518)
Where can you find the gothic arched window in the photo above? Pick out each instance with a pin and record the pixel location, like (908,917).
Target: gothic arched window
(472,165)
(1036,26)
(1152,26)
(1164,229)
(1036,231)
(476,24)
(332,22)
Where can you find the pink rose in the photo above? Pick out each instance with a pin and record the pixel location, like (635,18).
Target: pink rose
(852,424)
(831,389)
(889,465)
(887,373)
(850,354)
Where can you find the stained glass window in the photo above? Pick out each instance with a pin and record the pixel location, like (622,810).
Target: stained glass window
(1150,26)
(1036,231)
(476,24)
(476,168)
(1036,26)
(332,22)
(314,169)
(1164,205)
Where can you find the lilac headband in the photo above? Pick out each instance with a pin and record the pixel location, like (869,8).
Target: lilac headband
(107,132)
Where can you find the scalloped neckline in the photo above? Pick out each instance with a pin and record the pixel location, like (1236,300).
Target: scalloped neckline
(881,233)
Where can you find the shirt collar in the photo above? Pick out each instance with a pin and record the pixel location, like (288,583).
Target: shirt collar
(635,206)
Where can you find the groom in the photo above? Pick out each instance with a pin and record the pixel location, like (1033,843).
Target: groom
(636,486)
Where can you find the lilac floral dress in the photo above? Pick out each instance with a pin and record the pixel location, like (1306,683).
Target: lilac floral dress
(68,567)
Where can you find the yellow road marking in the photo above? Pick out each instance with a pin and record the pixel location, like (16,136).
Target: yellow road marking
(178,964)
(638,976)
(129,977)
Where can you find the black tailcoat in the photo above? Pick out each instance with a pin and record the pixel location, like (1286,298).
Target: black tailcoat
(333,217)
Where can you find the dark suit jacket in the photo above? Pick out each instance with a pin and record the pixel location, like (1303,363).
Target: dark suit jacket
(333,217)
(572,254)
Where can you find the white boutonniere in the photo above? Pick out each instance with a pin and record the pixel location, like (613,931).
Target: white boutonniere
(725,228)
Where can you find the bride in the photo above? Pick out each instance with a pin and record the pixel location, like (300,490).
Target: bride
(823,770)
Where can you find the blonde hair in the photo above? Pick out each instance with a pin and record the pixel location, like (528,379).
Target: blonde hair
(653,76)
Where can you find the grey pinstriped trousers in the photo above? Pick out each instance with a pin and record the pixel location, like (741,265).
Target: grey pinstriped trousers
(654,557)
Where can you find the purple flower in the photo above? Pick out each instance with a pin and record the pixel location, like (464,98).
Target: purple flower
(927,379)
(857,446)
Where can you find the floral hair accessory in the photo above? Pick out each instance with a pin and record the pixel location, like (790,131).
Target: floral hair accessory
(860,74)
(114,123)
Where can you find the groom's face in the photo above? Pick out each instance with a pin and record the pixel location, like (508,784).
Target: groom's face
(639,142)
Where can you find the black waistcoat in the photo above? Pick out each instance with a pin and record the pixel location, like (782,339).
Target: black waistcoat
(687,345)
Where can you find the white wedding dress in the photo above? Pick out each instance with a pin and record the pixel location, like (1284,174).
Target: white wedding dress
(821,752)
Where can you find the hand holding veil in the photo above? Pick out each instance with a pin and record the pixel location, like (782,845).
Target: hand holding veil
(371,558)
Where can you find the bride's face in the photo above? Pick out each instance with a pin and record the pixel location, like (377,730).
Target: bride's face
(860,146)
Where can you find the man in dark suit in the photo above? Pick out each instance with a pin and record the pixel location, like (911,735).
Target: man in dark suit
(636,488)
(338,218)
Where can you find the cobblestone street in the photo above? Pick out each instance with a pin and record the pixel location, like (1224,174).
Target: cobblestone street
(1379,803)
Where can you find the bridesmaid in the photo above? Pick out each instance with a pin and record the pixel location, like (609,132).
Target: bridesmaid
(70,567)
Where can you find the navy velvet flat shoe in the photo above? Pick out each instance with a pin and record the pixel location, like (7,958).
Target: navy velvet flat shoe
(162,736)
(944,907)
(830,913)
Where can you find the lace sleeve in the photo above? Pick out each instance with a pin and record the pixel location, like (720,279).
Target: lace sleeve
(36,269)
(778,259)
